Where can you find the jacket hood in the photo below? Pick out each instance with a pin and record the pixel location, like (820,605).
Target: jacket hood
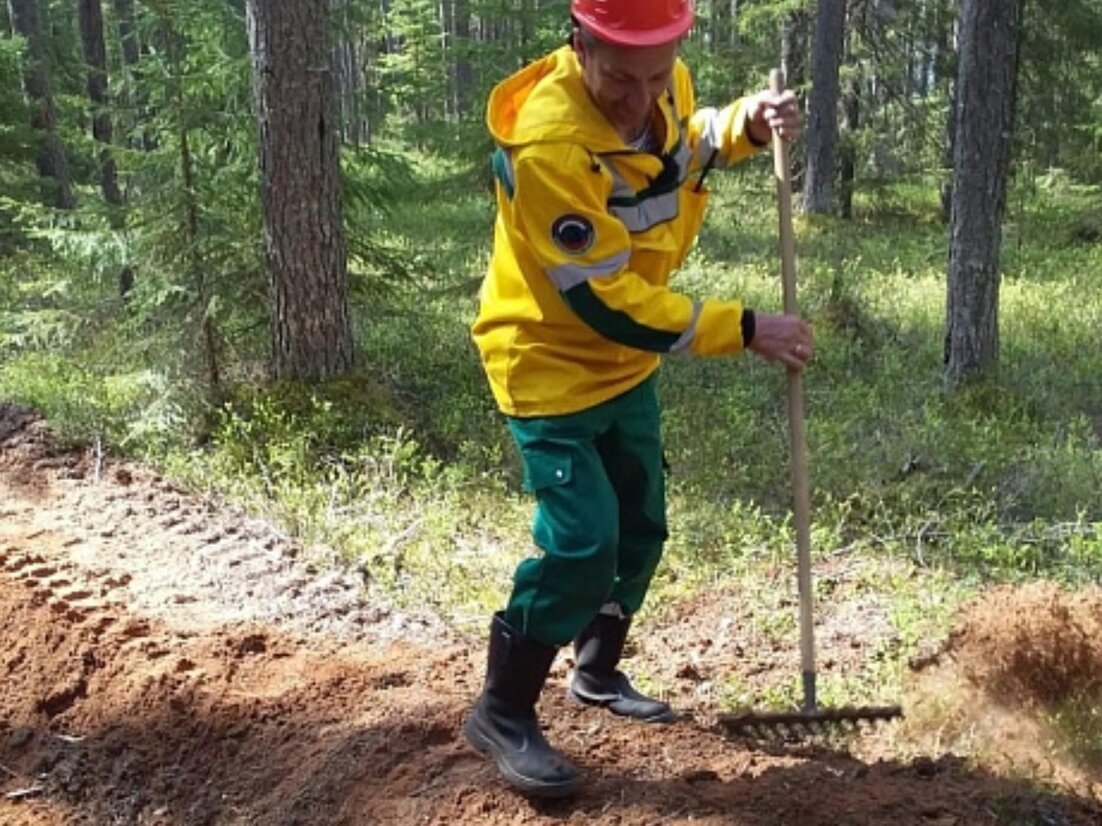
(547,101)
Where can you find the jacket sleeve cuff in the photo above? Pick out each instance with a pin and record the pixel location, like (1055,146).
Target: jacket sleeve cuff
(748,325)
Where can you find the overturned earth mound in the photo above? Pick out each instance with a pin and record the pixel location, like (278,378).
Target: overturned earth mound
(1037,645)
(1019,683)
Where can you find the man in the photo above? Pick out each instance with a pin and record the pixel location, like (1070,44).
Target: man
(600,166)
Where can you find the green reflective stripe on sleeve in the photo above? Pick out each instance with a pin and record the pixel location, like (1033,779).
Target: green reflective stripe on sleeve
(568,276)
(617,325)
(502,166)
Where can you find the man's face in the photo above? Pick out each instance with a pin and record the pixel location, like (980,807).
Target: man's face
(625,82)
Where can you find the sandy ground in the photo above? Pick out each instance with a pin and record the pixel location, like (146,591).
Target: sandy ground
(167,660)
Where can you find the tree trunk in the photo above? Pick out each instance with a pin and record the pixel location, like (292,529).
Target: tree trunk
(822,126)
(722,22)
(794,48)
(949,154)
(524,30)
(95,56)
(851,105)
(464,73)
(857,17)
(348,77)
(51,162)
(202,283)
(733,41)
(389,46)
(300,188)
(447,34)
(794,39)
(128,37)
(945,67)
(174,49)
(132,98)
(986,92)
(885,22)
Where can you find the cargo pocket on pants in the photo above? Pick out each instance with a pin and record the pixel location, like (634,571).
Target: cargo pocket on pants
(546,468)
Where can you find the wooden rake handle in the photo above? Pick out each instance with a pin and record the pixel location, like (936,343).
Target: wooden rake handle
(797,437)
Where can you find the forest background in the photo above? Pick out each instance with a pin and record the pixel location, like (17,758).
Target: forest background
(159,297)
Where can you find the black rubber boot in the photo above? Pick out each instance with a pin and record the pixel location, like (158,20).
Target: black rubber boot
(597,680)
(503,724)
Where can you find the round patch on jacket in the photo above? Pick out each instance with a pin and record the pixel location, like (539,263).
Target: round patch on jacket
(573,234)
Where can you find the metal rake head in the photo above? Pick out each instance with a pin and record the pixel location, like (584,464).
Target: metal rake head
(796,725)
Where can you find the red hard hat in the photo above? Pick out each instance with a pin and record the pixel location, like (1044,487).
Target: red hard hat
(635,22)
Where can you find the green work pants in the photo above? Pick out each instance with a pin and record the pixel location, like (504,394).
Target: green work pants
(600,520)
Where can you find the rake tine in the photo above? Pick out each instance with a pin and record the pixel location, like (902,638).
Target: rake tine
(788,725)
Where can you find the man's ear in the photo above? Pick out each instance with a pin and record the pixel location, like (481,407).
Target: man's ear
(578,46)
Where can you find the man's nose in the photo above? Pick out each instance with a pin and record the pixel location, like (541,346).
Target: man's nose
(639,95)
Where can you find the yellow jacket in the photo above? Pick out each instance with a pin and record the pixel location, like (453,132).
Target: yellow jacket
(575,308)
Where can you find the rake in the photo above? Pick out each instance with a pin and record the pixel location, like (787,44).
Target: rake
(810,718)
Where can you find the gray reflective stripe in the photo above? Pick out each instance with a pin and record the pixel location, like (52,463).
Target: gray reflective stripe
(687,337)
(684,158)
(641,215)
(649,213)
(711,138)
(566,276)
(620,188)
